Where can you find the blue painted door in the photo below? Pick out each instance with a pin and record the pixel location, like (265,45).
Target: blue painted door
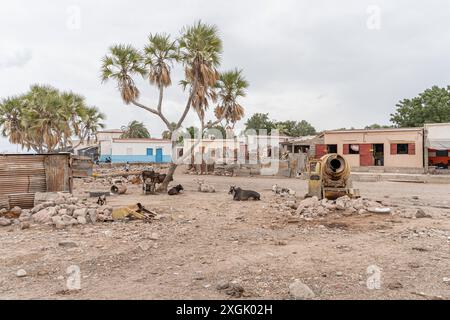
(159,155)
(149,151)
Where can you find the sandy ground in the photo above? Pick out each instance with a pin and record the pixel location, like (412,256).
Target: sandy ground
(201,239)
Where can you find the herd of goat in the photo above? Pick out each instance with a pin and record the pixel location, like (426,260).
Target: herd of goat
(151,178)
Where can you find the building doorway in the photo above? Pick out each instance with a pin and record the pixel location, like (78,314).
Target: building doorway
(378,154)
(159,155)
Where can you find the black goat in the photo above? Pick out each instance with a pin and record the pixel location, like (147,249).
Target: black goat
(175,190)
(150,178)
(243,195)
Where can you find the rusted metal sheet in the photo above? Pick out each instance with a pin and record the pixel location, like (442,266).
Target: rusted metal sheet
(82,167)
(57,172)
(23,200)
(4,202)
(22,175)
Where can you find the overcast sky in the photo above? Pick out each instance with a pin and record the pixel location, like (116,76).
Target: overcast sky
(333,63)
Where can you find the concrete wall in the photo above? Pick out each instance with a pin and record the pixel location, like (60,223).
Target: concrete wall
(250,144)
(135,150)
(105,139)
(385,137)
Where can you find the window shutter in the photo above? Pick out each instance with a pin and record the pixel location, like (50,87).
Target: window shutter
(346,149)
(393,148)
(321,150)
(411,148)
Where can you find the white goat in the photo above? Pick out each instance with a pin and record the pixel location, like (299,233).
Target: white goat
(204,187)
(282,191)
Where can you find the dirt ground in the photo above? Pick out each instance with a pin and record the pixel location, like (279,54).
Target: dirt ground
(200,239)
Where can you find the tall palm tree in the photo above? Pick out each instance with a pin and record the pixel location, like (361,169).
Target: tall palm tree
(11,120)
(46,120)
(159,54)
(200,52)
(231,86)
(123,62)
(135,129)
(167,134)
(89,123)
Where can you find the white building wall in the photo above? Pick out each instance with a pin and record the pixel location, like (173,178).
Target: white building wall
(140,148)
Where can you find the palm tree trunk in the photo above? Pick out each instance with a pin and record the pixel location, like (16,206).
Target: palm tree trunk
(163,187)
(173,166)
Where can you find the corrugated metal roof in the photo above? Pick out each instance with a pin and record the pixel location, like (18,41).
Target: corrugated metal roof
(438,136)
(22,175)
(373,130)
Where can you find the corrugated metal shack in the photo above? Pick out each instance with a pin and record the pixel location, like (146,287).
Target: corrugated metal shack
(22,175)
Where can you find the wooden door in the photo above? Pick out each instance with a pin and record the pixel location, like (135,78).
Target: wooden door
(366,155)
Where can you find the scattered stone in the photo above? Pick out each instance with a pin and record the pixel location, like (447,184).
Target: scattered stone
(234,290)
(379,210)
(5,222)
(446,280)
(394,285)
(24,225)
(422,214)
(67,244)
(21,273)
(300,291)
(339,274)
(58,222)
(79,213)
(16,211)
(43,216)
(154,236)
(222,284)
(144,246)
(81,220)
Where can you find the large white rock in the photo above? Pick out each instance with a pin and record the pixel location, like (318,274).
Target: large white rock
(58,222)
(43,216)
(300,291)
(4,222)
(79,213)
(81,220)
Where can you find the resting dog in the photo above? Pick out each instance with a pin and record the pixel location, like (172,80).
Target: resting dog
(175,190)
(243,195)
(101,200)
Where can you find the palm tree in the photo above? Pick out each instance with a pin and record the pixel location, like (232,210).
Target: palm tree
(160,53)
(135,129)
(89,123)
(46,120)
(200,52)
(167,134)
(11,120)
(231,86)
(198,49)
(123,62)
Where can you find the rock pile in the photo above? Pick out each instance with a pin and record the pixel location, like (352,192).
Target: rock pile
(64,210)
(310,208)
